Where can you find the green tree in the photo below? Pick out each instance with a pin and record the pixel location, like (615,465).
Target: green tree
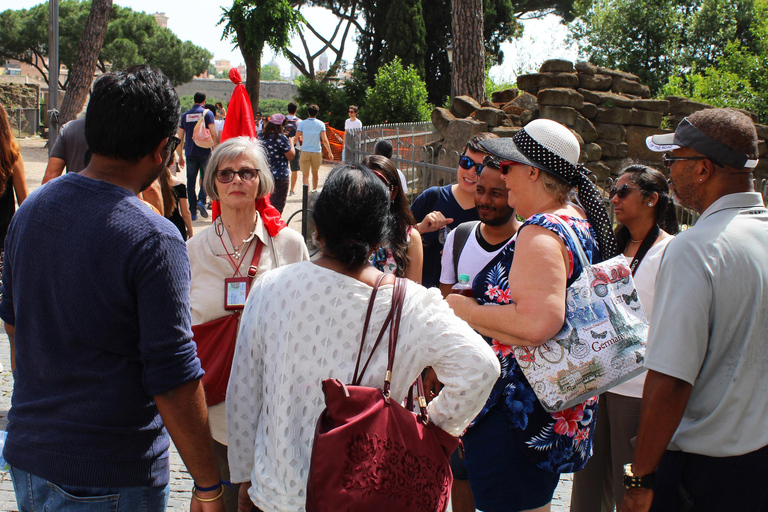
(398,96)
(270,73)
(406,34)
(131,38)
(331,100)
(252,24)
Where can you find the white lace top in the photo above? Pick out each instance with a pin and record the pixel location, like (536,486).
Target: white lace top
(302,324)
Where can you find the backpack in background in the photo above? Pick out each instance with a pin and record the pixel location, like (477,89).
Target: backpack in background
(201,135)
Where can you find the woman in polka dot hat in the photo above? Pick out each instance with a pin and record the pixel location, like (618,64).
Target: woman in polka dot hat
(515,450)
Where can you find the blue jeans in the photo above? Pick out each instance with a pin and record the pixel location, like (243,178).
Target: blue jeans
(35,494)
(194,164)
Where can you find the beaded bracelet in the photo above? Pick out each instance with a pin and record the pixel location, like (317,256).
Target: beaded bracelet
(208,500)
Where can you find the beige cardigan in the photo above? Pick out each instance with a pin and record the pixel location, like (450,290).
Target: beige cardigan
(210,266)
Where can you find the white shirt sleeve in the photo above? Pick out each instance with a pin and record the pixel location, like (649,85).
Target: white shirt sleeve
(447,273)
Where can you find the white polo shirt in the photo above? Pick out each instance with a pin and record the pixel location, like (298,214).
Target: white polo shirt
(710,327)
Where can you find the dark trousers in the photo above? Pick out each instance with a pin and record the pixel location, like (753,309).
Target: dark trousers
(280,194)
(195,164)
(691,482)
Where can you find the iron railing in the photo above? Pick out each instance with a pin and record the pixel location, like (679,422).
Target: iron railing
(25,122)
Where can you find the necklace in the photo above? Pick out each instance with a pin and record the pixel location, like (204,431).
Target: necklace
(237,250)
(635,241)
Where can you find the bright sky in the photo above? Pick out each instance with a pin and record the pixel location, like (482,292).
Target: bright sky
(197,22)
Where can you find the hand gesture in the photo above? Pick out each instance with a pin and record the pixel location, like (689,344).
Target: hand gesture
(432,222)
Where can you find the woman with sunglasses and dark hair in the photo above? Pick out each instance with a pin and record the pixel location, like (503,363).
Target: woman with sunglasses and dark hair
(647,217)
(402,254)
(515,450)
(438,210)
(222,256)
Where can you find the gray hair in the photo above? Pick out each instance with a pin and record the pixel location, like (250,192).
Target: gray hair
(230,150)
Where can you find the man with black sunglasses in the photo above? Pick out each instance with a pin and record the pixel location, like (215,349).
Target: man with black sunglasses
(95,300)
(438,210)
(703,435)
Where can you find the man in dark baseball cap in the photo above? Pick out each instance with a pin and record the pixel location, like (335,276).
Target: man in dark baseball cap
(705,400)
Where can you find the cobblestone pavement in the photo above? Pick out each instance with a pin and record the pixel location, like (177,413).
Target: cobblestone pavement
(35,157)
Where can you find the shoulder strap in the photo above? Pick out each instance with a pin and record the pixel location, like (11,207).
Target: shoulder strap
(648,242)
(357,378)
(398,299)
(459,241)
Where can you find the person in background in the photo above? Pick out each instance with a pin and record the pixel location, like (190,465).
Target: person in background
(351,125)
(13,180)
(438,210)
(272,408)
(402,254)
(69,151)
(113,303)
(702,434)
(259,122)
(221,111)
(175,204)
(291,126)
(279,151)
(384,148)
(197,157)
(647,218)
(311,134)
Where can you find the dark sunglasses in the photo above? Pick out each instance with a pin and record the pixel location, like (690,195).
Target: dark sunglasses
(670,160)
(227,175)
(467,163)
(173,143)
(351,111)
(622,192)
(383,178)
(504,165)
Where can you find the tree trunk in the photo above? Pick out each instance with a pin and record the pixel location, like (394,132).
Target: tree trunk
(468,77)
(81,75)
(253,79)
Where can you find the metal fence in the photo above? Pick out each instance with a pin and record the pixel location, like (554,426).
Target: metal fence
(414,154)
(25,122)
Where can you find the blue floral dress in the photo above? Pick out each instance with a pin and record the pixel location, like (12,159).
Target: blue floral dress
(556,442)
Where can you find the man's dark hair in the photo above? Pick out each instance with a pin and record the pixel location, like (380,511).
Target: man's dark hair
(354,107)
(312,110)
(729,126)
(130,112)
(210,107)
(199,97)
(258,113)
(292,108)
(473,144)
(352,214)
(383,148)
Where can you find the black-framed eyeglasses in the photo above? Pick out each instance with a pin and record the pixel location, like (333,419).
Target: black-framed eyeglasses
(227,175)
(467,163)
(622,191)
(173,143)
(670,160)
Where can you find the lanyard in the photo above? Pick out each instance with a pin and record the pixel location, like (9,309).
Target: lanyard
(648,242)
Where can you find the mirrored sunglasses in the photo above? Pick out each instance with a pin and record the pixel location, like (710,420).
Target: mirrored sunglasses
(467,163)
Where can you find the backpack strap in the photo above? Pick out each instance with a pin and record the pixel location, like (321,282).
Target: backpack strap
(459,241)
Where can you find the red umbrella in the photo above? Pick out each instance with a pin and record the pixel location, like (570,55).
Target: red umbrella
(240,123)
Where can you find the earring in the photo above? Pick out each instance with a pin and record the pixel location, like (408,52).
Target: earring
(650,204)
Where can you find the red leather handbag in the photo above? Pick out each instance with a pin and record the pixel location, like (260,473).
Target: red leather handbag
(216,341)
(371,453)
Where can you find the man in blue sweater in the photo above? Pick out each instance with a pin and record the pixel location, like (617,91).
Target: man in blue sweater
(95,298)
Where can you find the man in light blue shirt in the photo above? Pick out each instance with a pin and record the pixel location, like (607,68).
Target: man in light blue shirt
(311,134)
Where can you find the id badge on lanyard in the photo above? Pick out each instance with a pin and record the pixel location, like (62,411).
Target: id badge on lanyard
(236,288)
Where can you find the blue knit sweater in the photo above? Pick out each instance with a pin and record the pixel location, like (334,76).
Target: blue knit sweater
(97,286)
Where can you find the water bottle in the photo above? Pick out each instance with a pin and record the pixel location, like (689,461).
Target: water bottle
(462,287)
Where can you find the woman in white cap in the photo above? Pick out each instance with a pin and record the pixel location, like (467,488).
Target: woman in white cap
(515,450)
(279,151)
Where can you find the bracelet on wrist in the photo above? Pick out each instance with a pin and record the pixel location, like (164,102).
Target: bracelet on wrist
(208,500)
(196,487)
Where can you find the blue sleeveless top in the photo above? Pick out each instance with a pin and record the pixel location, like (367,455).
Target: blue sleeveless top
(558,442)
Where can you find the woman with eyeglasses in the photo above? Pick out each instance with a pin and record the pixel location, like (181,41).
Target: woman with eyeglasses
(228,256)
(647,220)
(515,451)
(438,210)
(402,254)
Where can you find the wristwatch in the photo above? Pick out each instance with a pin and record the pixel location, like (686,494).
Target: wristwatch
(637,482)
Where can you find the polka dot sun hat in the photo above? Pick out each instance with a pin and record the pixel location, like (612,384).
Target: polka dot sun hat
(551,147)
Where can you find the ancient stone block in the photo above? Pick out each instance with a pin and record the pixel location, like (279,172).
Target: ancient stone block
(511,108)
(511,120)
(556,66)
(761,148)
(655,105)
(614,115)
(589,110)
(526,100)
(685,107)
(563,115)
(532,82)
(460,131)
(492,116)
(606,99)
(635,138)
(504,96)
(506,131)
(592,152)
(601,171)
(616,72)
(613,149)
(762,131)
(614,132)
(578,137)
(463,106)
(749,114)
(614,164)
(488,103)
(646,118)
(441,118)
(565,80)
(622,85)
(585,67)
(595,82)
(585,128)
(561,97)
